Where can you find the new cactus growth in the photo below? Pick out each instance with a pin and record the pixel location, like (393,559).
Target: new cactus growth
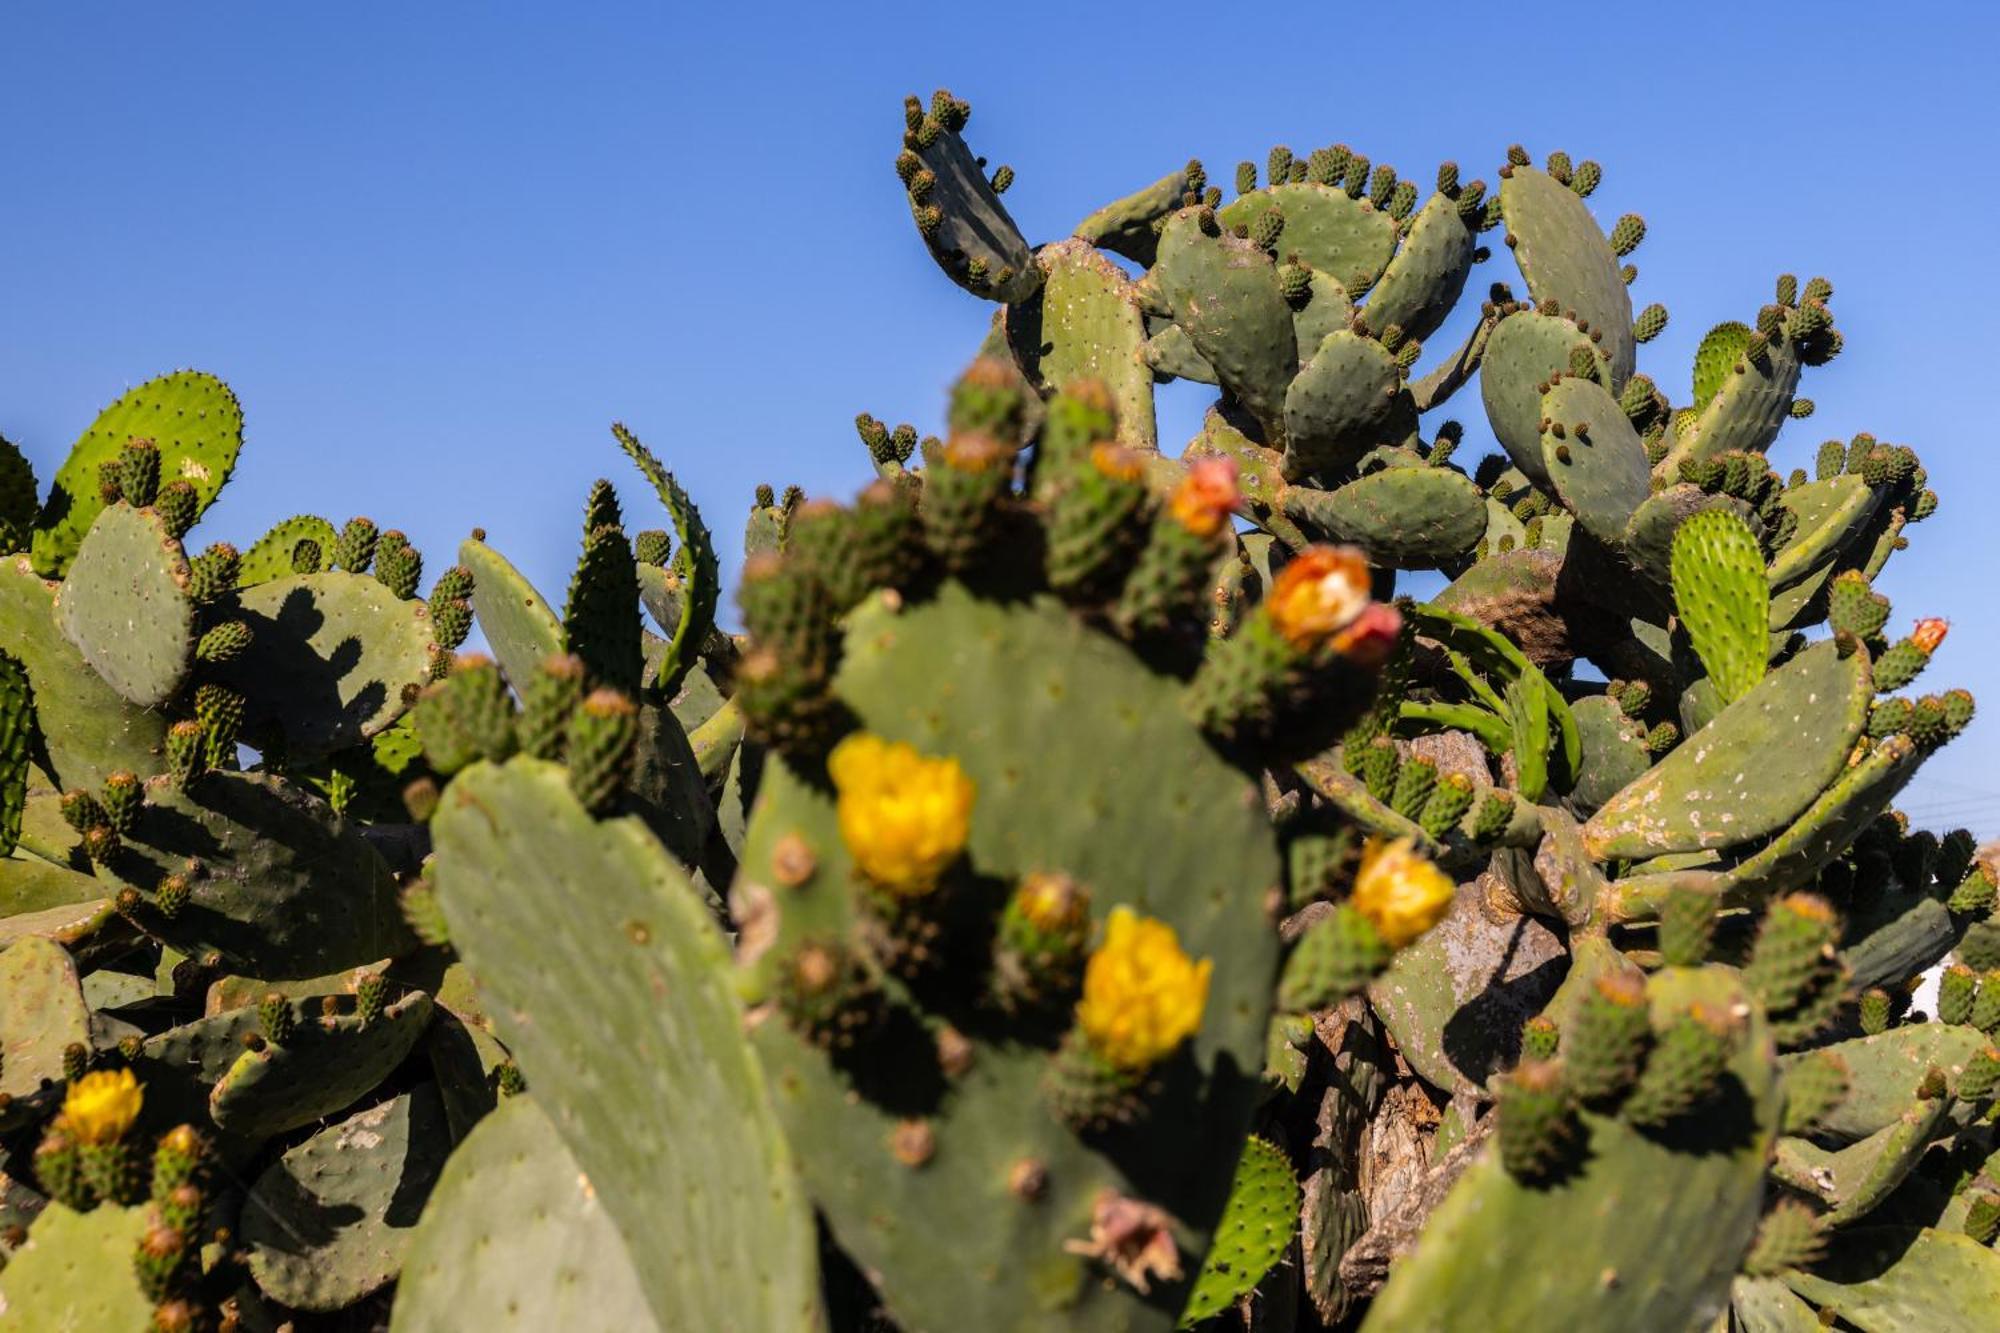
(1086,897)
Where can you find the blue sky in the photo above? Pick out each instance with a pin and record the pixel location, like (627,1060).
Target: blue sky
(437,248)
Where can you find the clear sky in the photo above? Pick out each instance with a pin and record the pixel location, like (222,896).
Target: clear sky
(438,247)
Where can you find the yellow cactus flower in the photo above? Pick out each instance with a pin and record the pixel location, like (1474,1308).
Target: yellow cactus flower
(100,1107)
(1401,893)
(904,817)
(1318,593)
(1142,995)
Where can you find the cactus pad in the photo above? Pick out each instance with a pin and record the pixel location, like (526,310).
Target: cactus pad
(1404,517)
(662,1103)
(42,1012)
(1722,599)
(1085,323)
(1566,259)
(124,604)
(1526,350)
(1257,1224)
(329,1222)
(194,421)
(1339,236)
(1594,457)
(329,1061)
(75,1272)
(1792,731)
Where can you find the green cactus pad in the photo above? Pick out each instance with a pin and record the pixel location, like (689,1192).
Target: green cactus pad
(330,1221)
(1766,1305)
(1722,599)
(1751,771)
(1256,1227)
(573,979)
(1500,1252)
(30,884)
(1085,323)
(90,730)
(42,1011)
(1566,259)
(1423,281)
(191,417)
(1350,240)
(1892,1280)
(124,604)
(1750,405)
(1130,226)
(1257,469)
(1614,751)
(995,686)
(1346,400)
(333,659)
(1831,513)
(1720,349)
(973,226)
(17,498)
(1851,1181)
(1169,352)
(270,556)
(75,1272)
(694,563)
(1526,349)
(1405,517)
(1224,293)
(1597,464)
(285,888)
(1649,536)
(518,624)
(550,1258)
(1327,310)
(330,1062)
(1884,1072)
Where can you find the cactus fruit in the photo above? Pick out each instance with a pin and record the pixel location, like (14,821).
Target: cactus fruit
(1086,896)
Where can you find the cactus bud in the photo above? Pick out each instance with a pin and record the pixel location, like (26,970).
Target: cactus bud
(603,732)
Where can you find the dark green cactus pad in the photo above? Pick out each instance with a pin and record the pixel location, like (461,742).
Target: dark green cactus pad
(694,563)
(1751,771)
(1525,351)
(465,1058)
(1424,280)
(1649,536)
(1256,1228)
(1346,400)
(1130,226)
(1348,239)
(1614,752)
(518,624)
(1404,517)
(75,1272)
(333,659)
(515,1239)
(194,421)
(1722,599)
(666,785)
(1831,514)
(42,1011)
(1327,310)
(330,1062)
(1597,463)
(1455,1000)
(662,1102)
(89,729)
(973,225)
(995,687)
(1566,259)
(180,1067)
(1885,1071)
(17,728)
(330,1221)
(1665,1217)
(124,604)
(1224,292)
(1894,1280)
(1751,401)
(1085,323)
(285,888)
(1851,1181)
(270,556)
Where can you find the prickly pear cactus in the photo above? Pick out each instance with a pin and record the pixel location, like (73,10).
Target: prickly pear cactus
(1086,896)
